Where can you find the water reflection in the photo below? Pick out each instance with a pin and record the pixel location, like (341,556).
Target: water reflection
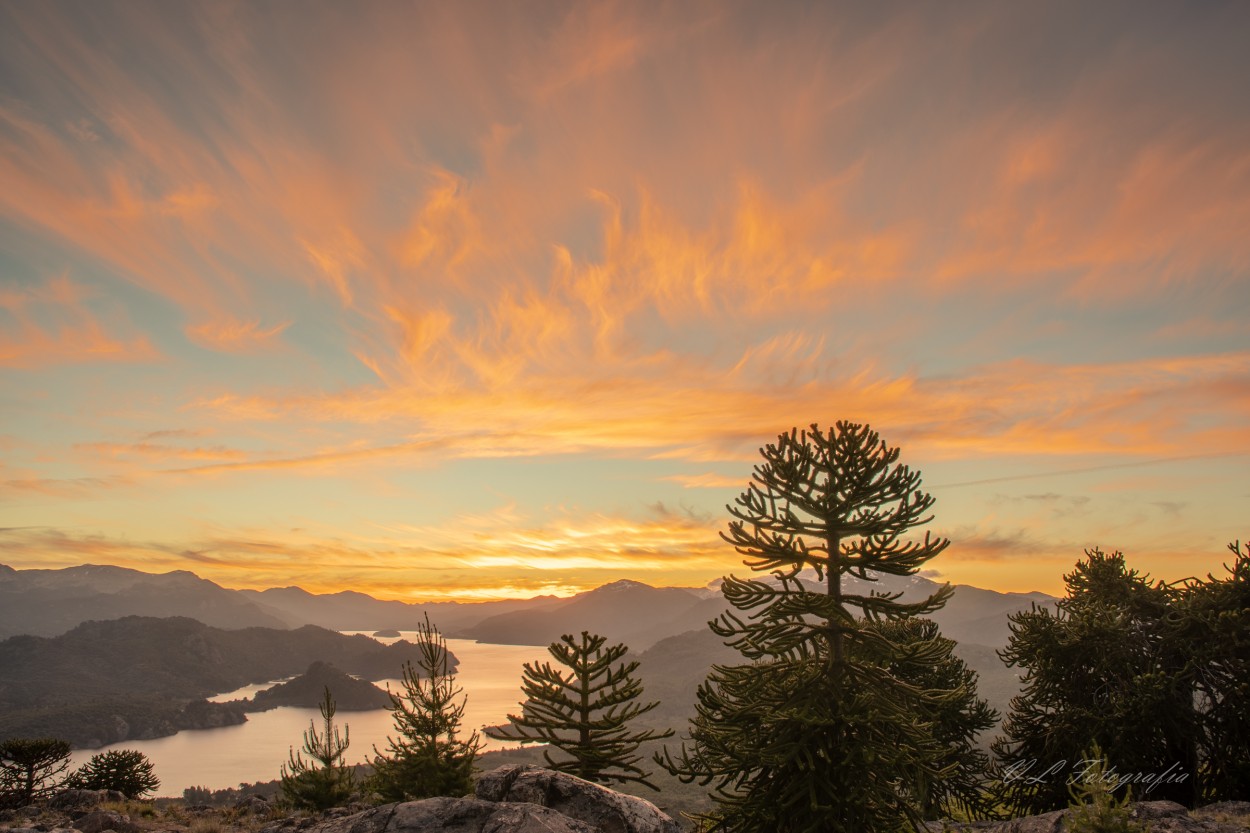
(254,751)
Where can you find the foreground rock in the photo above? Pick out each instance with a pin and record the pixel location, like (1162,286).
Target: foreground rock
(98,821)
(607,810)
(71,801)
(510,799)
(1157,816)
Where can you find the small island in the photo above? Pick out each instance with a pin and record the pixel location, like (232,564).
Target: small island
(306,691)
(389,633)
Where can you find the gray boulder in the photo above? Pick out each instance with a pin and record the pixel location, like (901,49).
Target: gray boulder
(454,815)
(510,799)
(101,820)
(1225,808)
(605,810)
(79,802)
(69,800)
(252,805)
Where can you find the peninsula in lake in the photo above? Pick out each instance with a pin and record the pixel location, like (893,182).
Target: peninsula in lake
(142,677)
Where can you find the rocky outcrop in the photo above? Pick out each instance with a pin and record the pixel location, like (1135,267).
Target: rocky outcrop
(442,815)
(80,801)
(254,805)
(607,810)
(511,799)
(100,820)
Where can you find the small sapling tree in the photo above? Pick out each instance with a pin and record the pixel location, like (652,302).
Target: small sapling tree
(324,780)
(429,758)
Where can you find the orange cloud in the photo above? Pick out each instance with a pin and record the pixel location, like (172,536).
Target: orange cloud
(708,480)
(160,451)
(232,335)
(1148,407)
(52,324)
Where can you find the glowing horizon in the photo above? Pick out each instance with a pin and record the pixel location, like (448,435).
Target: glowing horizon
(480,299)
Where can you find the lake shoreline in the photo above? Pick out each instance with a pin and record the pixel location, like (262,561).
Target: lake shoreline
(489,676)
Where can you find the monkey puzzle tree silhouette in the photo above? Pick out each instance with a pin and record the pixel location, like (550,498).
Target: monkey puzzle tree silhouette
(817,733)
(29,768)
(126,770)
(1213,625)
(1103,668)
(325,780)
(584,712)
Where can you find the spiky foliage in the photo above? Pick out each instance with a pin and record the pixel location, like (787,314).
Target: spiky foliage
(1094,807)
(820,732)
(1102,668)
(1212,625)
(584,711)
(30,769)
(126,770)
(324,780)
(956,722)
(428,758)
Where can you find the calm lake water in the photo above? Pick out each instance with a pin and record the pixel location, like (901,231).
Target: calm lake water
(490,676)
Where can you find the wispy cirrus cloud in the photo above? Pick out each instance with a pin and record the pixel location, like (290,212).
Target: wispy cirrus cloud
(54,323)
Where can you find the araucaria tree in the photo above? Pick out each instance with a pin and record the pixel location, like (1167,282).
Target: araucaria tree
(1102,669)
(1213,625)
(820,732)
(30,769)
(584,711)
(1157,674)
(428,758)
(956,721)
(126,770)
(324,780)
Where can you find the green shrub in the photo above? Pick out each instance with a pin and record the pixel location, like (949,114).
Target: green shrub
(1094,807)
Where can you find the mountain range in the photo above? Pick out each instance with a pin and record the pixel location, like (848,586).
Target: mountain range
(51,602)
(79,659)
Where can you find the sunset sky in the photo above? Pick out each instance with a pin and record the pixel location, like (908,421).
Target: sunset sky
(493,299)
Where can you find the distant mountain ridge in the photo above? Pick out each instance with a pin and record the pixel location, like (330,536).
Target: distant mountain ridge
(349,610)
(50,602)
(640,615)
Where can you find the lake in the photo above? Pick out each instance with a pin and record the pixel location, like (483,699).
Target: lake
(490,676)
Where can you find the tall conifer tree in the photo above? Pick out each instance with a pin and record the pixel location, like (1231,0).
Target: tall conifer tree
(1102,668)
(817,733)
(1213,628)
(584,711)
